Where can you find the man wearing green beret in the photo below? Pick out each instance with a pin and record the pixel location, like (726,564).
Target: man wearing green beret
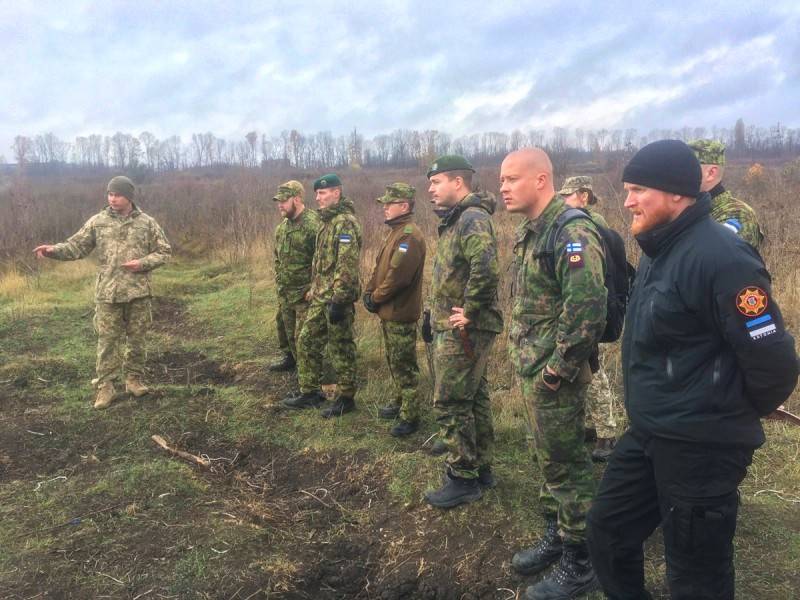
(736,215)
(129,245)
(600,397)
(334,290)
(295,241)
(394,293)
(463,323)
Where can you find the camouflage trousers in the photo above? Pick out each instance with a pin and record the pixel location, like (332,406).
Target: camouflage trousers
(400,342)
(317,330)
(600,406)
(556,419)
(121,330)
(461,400)
(288,322)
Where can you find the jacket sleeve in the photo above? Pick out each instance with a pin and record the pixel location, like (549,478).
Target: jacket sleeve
(160,250)
(479,247)
(580,271)
(407,255)
(77,246)
(348,250)
(750,320)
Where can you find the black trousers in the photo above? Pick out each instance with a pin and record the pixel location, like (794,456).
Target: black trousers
(691,489)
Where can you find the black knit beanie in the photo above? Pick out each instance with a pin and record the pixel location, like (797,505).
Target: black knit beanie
(666,165)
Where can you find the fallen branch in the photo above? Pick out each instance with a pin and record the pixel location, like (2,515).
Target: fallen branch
(193,458)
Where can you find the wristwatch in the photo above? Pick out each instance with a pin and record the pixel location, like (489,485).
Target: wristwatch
(550,378)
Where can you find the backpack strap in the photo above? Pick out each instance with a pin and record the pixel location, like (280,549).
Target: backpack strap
(548,256)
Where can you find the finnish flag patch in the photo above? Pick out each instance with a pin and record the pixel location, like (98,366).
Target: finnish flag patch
(734,225)
(345,238)
(573,247)
(760,327)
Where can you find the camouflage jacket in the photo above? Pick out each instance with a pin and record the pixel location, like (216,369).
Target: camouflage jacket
(334,271)
(736,215)
(396,282)
(597,217)
(118,240)
(294,251)
(556,321)
(465,271)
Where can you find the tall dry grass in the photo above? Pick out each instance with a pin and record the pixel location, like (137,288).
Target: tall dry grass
(231,218)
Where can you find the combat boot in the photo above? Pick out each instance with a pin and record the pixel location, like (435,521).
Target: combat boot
(135,387)
(287,363)
(572,577)
(389,412)
(602,451)
(313,399)
(537,558)
(404,428)
(342,405)
(486,477)
(104,396)
(455,491)
(438,448)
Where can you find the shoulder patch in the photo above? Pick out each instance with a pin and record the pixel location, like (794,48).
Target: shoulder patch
(751,301)
(403,247)
(408,229)
(345,238)
(760,327)
(733,224)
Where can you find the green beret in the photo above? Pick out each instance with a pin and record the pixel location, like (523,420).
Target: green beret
(290,189)
(331,180)
(123,186)
(573,184)
(449,162)
(709,152)
(396,193)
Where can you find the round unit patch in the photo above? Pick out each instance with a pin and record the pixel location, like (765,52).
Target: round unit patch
(751,301)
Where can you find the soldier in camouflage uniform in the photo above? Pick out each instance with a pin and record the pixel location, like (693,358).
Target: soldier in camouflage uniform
(464,321)
(129,245)
(394,293)
(334,290)
(600,398)
(735,214)
(295,240)
(556,323)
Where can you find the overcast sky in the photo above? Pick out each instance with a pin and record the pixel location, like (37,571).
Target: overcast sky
(76,68)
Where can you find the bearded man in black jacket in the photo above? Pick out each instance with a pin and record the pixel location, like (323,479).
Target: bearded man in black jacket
(704,355)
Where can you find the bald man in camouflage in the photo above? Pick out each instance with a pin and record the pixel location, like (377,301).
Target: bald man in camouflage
(601,400)
(129,245)
(736,215)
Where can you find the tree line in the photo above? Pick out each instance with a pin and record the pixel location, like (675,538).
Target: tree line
(400,148)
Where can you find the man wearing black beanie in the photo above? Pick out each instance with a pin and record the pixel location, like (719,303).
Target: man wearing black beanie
(704,356)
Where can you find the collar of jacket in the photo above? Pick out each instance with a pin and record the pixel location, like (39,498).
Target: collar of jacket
(345,205)
(717,190)
(658,239)
(401,220)
(483,200)
(135,212)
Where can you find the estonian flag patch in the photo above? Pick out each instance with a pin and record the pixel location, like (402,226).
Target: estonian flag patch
(403,247)
(734,225)
(761,327)
(345,238)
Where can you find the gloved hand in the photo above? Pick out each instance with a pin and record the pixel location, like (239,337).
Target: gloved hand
(369,304)
(336,312)
(427,330)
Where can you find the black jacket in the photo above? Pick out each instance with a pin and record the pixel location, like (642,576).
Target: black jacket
(704,352)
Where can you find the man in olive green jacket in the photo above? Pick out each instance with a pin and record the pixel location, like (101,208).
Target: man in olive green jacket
(394,293)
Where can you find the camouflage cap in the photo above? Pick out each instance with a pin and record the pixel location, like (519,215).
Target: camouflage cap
(121,185)
(290,189)
(396,193)
(573,184)
(449,162)
(331,180)
(709,152)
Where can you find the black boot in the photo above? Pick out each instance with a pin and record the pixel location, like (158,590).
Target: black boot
(486,477)
(455,491)
(404,428)
(287,363)
(542,555)
(572,577)
(438,448)
(342,405)
(313,399)
(602,451)
(389,412)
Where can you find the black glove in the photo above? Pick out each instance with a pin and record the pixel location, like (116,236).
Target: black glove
(427,330)
(336,312)
(369,304)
